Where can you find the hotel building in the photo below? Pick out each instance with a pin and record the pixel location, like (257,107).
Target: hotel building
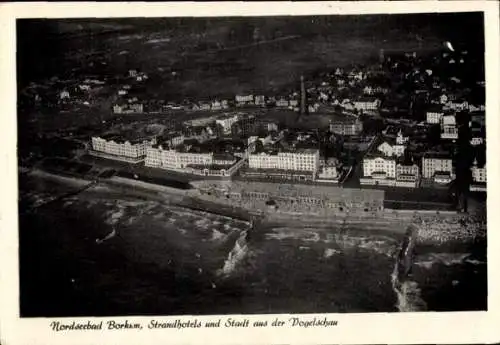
(121,147)
(438,167)
(352,127)
(301,160)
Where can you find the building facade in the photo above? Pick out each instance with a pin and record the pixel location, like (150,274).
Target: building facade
(121,147)
(354,127)
(301,160)
(449,129)
(167,158)
(367,104)
(379,168)
(226,123)
(407,175)
(433,164)
(395,150)
(478,173)
(434,117)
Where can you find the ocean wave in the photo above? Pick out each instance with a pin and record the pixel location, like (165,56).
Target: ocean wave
(158,40)
(217,235)
(330,252)
(447,259)
(379,245)
(235,256)
(113,216)
(408,294)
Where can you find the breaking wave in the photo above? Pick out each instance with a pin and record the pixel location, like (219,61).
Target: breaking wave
(408,293)
(236,254)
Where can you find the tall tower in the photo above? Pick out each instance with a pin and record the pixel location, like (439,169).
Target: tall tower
(303,106)
(381,56)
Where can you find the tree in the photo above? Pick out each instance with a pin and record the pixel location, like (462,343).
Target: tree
(259,146)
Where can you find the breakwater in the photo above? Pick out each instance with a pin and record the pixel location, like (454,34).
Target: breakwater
(407,291)
(58,198)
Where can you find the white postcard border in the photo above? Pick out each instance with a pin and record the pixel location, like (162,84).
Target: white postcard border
(408,328)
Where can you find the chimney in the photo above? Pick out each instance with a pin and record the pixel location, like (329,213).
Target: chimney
(303,105)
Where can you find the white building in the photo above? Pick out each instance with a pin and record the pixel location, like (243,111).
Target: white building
(367,104)
(117,145)
(478,174)
(377,167)
(302,160)
(205,106)
(476,141)
(407,175)
(434,117)
(436,164)
(401,139)
(476,107)
(394,150)
(329,170)
(260,100)
(449,128)
(244,99)
(216,105)
(174,139)
(168,158)
(226,123)
(457,105)
(64,94)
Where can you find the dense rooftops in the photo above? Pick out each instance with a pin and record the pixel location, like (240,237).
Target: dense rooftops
(131,137)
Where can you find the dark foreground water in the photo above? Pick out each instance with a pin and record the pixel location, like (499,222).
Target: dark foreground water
(168,261)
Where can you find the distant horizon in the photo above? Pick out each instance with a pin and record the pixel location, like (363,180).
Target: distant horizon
(47,40)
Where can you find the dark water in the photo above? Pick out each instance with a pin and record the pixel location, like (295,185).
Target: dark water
(153,269)
(166,261)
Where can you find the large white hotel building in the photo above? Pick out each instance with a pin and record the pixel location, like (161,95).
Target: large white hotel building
(300,160)
(121,148)
(167,158)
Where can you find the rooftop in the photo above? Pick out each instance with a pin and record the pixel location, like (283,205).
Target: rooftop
(437,155)
(130,136)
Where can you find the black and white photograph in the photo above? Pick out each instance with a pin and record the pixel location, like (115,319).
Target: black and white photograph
(230,165)
(243,165)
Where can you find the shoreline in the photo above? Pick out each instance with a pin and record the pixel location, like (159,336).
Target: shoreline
(430,232)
